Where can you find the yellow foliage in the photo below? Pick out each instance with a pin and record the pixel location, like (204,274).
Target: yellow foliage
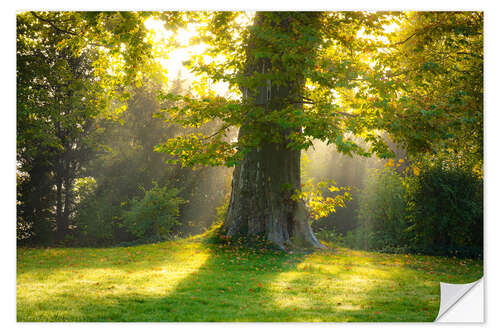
(390,163)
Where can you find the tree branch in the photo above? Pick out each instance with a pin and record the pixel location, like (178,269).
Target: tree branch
(53,25)
(404,41)
(347,114)
(311,102)
(64,31)
(222,129)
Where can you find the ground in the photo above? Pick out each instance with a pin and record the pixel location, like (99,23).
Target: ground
(191,280)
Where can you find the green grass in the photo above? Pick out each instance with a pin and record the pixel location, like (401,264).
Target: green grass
(189,280)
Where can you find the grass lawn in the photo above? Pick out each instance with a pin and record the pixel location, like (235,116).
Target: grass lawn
(189,280)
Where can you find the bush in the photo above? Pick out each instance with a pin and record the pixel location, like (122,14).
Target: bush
(446,210)
(156,214)
(382,214)
(331,236)
(437,212)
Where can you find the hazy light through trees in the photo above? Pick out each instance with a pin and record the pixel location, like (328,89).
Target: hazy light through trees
(148,97)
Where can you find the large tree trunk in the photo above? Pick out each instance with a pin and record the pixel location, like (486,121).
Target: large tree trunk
(265,180)
(261,202)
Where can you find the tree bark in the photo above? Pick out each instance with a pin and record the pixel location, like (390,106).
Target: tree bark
(60,225)
(261,202)
(264,181)
(67,195)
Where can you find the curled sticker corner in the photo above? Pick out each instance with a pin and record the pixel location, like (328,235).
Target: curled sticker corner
(452,294)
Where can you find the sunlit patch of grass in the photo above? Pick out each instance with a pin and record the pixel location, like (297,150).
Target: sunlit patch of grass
(190,280)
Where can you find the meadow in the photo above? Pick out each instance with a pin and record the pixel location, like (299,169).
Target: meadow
(193,280)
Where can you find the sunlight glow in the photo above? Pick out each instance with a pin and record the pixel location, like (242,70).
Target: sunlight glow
(108,281)
(172,59)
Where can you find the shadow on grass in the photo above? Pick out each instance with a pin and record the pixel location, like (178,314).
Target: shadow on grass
(205,283)
(191,281)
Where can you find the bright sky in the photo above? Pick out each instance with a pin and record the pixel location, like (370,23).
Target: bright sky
(172,60)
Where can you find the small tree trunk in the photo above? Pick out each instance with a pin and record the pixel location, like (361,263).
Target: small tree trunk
(59,208)
(67,198)
(63,198)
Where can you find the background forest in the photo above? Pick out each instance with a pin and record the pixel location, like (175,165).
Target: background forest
(92,168)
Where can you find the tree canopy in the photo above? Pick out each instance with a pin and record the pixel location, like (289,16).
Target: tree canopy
(414,75)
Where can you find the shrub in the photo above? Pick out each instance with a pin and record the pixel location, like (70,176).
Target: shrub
(446,210)
(156,214)
(330,235)
(382,212)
